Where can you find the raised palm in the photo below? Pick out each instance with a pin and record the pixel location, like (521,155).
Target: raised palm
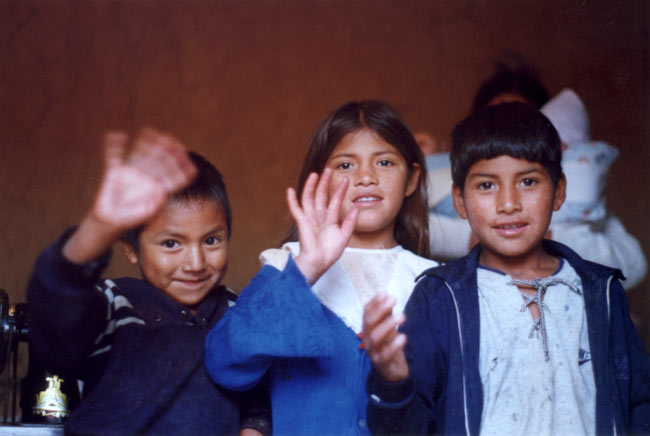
(136,187)
(322,238)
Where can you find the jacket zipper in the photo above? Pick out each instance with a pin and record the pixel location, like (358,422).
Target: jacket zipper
(609,320)
(462,356)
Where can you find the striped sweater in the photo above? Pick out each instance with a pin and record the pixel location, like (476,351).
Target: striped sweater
(138,351)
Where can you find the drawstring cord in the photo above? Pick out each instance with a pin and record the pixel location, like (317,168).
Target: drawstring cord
(540,285)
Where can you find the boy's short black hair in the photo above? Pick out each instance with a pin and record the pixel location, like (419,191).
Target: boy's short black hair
(208,185)
(513,129)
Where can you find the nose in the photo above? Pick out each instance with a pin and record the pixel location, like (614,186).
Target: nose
(366,175)
(508,200)
(195,259)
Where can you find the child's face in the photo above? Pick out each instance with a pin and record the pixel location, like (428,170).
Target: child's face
(183,251)
(379,182)
(509,203)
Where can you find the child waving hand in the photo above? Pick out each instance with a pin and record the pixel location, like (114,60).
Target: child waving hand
(361,229)
(137,344)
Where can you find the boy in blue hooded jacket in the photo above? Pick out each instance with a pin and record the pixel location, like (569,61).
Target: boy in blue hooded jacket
(521,335)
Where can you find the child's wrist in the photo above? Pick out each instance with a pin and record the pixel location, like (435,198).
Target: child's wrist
(92,238)
(307,269)
(89,271)
(103,228)
(382,390)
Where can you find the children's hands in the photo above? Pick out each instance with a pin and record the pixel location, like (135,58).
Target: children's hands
(382,341)
(134,187)
(322,238)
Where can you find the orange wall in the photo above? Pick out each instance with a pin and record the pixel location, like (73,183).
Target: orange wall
(245,82)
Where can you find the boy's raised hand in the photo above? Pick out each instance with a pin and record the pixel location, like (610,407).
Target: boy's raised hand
(322,238)
(134,187)
(382,341)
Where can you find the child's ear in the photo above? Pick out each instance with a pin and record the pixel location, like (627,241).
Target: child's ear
(413,179)
(560,193)
(129,252)
(459,202)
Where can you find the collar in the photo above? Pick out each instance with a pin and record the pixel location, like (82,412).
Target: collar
(461,269)
(154,306)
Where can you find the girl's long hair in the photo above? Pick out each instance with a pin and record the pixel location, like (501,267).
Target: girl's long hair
(412,225)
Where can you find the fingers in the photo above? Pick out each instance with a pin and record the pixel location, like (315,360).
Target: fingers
(382,341)
(334,207)
(315,203)
(380,335)
(323,189)
(386,331)
(163,158)
(294,206)
(376,311)
(135,187)
(307,198)
(114,147)
(391,361)
(349,223)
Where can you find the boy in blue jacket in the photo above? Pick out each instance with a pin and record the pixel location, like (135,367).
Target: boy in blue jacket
(521,336)
(138,344)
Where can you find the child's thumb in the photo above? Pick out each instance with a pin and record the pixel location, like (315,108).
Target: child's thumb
(114,148)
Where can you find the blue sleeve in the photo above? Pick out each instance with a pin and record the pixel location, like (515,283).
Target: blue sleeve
(409,407)
(276,315)
(632,367)
(66,312)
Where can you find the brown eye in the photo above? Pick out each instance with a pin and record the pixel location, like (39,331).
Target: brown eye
(212,240)
(485,186)
(170,243)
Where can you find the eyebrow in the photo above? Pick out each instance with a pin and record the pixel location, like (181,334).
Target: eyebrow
(493,175)
(379,153)
(220,229)
(177,234)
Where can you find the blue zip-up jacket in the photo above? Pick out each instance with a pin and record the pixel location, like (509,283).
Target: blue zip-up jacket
(444,394)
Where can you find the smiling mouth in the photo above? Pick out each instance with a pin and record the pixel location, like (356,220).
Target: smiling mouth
(367,199)
(511,226)
(193,282)
(511,230)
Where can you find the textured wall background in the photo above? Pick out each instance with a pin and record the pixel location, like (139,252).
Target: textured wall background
(245,83)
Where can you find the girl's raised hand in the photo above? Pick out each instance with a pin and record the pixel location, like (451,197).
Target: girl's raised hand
(381,339)
(322,238)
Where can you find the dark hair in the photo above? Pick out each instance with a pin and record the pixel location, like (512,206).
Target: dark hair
(511,76)
(512,129)
(412,227)
(208,185)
